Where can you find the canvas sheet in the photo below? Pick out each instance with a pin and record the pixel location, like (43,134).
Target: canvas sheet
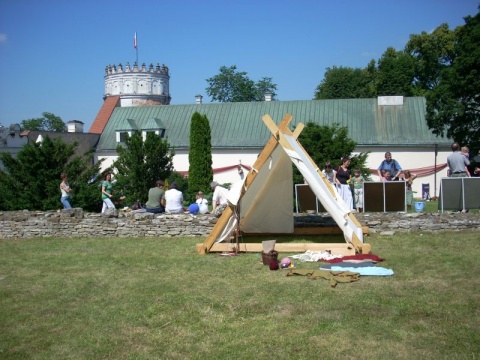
(267,205)
(333,204)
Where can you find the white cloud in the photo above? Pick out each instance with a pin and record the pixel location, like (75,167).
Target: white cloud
(3,38)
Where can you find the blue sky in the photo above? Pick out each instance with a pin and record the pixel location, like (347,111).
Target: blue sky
(53,53)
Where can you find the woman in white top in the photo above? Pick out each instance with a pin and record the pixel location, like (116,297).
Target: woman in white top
(174,199)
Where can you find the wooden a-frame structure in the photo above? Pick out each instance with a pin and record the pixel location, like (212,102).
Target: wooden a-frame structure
(283,138)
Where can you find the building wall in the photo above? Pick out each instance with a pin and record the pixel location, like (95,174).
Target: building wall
(408,158)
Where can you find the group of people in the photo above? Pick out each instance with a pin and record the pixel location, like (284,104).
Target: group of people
(350,188)
(458,162)
(159,200)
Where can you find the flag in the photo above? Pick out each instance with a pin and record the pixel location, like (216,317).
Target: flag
(135,40)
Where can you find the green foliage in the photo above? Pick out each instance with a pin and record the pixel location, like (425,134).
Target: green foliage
(31,180)
(346,83)
(49,122)
(453,105)
(140,164)
(329,144)
(181,180)
(395,73)
(200,173)
(234,86)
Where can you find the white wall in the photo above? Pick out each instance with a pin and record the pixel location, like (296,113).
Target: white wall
(408,158)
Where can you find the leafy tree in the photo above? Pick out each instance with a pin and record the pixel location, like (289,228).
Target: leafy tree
(432,53)
(395,73)
(346,83)
(453,105)
(200,173)
(329,143)
(31,180)
(233,86)
(140,164)
(49,122)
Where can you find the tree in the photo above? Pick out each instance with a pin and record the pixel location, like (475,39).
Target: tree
(49,122)
(395,73)
(329,143)
(233,86)
(453,105)
(346,83)
(31,180)
(140,164)
(432,53)
(200,173)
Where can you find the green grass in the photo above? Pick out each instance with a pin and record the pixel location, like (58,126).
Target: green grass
(120,298)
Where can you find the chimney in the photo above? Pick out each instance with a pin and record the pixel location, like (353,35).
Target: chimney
(268,96)
(75,126)
(198,99)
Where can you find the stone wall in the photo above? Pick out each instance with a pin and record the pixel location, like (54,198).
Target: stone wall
(77,223)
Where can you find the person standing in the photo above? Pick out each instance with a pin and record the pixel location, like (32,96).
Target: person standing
(219,199)
(389,164)
(358,181)
(343,178)
(65,190)
(156,198)
(329,172)
(107,188)
(408,177)
(174,199)
(457,162)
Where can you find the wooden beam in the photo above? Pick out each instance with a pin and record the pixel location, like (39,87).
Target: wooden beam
(335,249)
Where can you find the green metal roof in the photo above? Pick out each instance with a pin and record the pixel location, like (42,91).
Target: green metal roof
(240,125)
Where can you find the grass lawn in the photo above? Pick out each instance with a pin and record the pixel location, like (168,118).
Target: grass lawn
(125,298)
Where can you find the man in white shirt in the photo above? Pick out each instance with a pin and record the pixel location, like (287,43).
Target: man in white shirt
(219,199)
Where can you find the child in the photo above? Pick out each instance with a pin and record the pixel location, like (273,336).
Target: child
(387,175)
(358,181)
(200,199)
(466,152)
(408,177)
(329,173)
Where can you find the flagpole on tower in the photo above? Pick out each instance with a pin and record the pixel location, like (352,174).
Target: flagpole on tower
(135,45)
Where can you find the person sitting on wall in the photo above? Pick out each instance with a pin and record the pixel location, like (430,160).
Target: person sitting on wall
(390,164)
(156,198)
(219,199)
(200,200)
(174,199)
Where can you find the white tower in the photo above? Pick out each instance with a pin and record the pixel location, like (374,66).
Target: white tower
(138,86)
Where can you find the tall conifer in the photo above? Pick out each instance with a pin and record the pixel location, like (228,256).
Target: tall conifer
(200,173)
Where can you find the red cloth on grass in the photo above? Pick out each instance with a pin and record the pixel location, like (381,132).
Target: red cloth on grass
(356,257)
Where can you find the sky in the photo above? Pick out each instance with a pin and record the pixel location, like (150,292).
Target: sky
(53,53)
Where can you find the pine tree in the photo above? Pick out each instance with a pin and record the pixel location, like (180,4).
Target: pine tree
(140,164)
(200,173)
(31,180)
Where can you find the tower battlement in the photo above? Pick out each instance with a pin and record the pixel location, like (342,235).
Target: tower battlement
(117,69)
(138,86)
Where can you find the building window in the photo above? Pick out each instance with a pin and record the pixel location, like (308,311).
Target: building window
(121,136)
(160,132)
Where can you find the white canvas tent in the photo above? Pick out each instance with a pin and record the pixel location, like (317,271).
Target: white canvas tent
(262,203)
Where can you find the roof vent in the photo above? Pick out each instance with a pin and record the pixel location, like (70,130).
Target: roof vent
(390,100)
(198,99)
(268,96)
